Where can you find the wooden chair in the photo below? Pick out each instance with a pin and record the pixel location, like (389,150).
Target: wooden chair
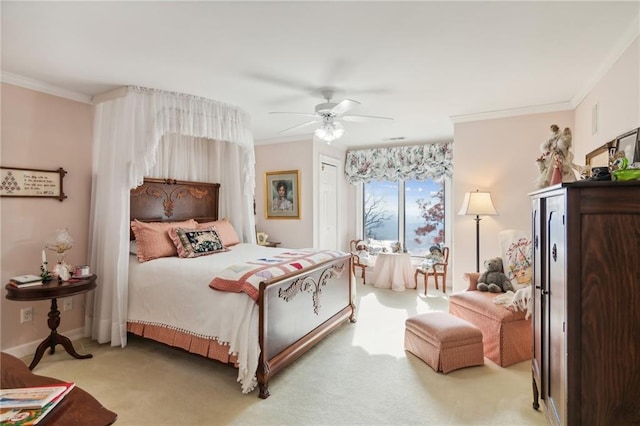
(438,269)
(357,263)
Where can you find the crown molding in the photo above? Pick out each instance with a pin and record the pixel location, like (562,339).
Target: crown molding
(629,36)
(40,86)
(490,115)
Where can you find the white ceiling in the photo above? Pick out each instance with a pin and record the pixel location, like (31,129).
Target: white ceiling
(419,62)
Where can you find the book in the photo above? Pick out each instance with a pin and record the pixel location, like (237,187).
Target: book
(32,416)
(23,285)
(26,279)
(32,397)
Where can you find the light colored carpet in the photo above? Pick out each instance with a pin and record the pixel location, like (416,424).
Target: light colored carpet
(360,374)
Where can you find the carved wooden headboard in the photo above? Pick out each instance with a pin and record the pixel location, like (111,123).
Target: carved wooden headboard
(170,200)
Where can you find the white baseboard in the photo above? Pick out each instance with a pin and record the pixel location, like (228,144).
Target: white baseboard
(28,349)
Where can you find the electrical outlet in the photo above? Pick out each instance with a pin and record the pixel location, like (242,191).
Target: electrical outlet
(26,314)
(67,305)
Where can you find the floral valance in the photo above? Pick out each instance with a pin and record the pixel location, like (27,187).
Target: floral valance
(429,161)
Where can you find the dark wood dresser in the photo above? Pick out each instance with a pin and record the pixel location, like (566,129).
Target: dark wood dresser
(586,320)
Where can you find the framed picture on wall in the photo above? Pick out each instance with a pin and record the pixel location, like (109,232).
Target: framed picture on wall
(628,143)
(282,195)
(19,182)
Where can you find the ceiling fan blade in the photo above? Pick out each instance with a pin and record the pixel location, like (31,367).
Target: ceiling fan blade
(305,114)
(299,126)
(344,106)
(363,118)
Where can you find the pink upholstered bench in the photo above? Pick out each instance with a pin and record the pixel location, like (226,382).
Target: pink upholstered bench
(444,342)
(507,333)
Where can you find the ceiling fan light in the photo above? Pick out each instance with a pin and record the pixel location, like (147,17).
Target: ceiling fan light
(329,131)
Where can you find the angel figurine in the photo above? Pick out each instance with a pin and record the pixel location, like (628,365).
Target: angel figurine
(556,162)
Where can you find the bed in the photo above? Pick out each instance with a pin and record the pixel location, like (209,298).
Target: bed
(170,300)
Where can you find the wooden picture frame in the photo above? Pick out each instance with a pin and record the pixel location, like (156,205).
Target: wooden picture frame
(261,238)
(282,195)
(628,143)
(19,182)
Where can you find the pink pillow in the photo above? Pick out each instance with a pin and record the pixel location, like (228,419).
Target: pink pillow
(153,238)
(226,231)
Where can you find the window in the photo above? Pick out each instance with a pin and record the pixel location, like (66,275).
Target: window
(412,209)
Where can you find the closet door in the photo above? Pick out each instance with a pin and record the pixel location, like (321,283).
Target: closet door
(328,207)
(553,292)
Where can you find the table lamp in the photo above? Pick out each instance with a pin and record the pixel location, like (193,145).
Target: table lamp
(476,204)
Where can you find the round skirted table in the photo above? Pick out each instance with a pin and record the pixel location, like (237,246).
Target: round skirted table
(393,271)
(53,290)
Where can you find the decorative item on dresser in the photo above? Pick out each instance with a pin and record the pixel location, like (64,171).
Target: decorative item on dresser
(586,321)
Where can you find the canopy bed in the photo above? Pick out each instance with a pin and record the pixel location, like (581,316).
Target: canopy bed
(170,300)
(142,132)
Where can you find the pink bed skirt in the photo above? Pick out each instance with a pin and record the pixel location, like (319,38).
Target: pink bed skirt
(209,348)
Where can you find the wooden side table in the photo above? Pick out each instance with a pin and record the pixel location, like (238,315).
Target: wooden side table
(272,243)
(53,290)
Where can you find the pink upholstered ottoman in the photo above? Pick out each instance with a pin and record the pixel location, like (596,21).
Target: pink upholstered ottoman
(444,342)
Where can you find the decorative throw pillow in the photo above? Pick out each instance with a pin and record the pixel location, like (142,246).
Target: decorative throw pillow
(516,256)
(152,238)
(225,230)
(196,242)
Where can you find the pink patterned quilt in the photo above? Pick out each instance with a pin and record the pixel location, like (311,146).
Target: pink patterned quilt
(246,277)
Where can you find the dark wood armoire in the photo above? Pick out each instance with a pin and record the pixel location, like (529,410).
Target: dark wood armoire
(586,320)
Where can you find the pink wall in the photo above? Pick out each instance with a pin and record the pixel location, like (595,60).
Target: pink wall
(43,132)
(496,156)
(618,98)
(295,233)
(301,155)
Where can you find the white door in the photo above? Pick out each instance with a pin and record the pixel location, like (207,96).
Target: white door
(328,207)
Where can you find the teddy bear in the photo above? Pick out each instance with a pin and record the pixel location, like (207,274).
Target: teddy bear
(493,279)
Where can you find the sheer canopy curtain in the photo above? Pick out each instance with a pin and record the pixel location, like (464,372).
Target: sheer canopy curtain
(139,131)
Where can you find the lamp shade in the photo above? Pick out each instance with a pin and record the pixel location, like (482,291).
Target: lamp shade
(477,204)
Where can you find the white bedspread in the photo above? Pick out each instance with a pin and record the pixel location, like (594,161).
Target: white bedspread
(175,292)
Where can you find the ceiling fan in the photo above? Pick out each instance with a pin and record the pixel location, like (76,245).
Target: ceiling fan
(330,115)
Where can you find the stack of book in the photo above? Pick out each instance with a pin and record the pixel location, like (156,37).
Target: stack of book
(28,406)
(26,281)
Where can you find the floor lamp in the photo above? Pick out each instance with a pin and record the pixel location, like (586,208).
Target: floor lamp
(476,204)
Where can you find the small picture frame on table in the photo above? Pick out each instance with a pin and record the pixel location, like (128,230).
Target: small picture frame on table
(262,238)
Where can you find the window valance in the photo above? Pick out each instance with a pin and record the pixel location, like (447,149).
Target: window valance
(429,161)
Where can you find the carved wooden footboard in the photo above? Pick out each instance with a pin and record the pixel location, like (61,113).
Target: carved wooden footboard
(298,310)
